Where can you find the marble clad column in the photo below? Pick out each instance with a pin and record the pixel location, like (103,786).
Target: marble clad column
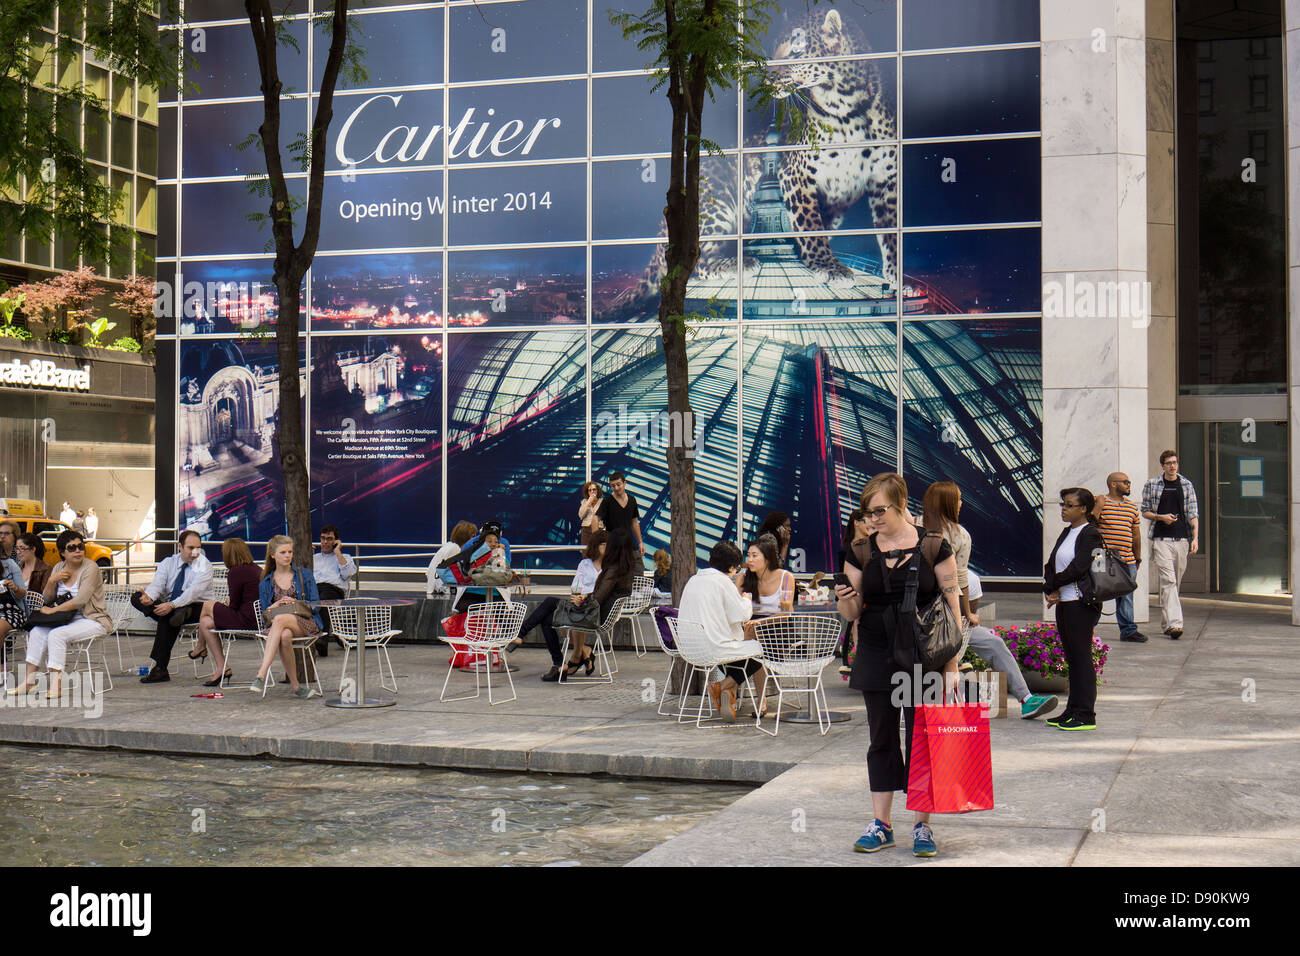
(1094,208)
(1291,64)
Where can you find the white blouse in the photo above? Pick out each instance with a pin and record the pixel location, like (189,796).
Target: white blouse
(1064,555)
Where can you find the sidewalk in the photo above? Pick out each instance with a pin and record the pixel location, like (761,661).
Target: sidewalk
(1181,771)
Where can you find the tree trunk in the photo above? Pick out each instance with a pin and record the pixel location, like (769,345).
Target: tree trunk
(289,431)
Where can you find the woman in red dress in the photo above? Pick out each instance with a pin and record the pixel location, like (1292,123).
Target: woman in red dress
(237,615)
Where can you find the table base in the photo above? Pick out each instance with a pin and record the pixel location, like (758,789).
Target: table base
(360,704)
(806,717)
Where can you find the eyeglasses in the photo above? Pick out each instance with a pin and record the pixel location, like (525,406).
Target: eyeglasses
(74,547)
(875,514)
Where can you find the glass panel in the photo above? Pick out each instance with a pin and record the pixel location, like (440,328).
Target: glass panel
(972,414)
(856,99)
(123,94)
(223,61)
(213,133)
(802,30)
(497,40)
(146,204)
(619,289)
(778,285)
(1253,549)
(146,149)
(1192,465)
(123,142)
(945,23)
(518,204)
(631,431)
(146,104)
(609,50)
(387,130)
(821,417)
(232,296)
(376,450)
(216,218)
(395,291)
(230,481)
(69,69)
(97,82)
(974,182)
(392,210)
(1232,307)
(125,212)
(968,94)
(404,49)
(517,421)
(120,259)
(975,270)
(628,197)
(517,287)
(167,221)
(519,121)
(633,121)
(96,134)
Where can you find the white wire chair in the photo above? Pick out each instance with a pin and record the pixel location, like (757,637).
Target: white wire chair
(689,672)
(638,602)
(798,647)
(117,598)
(697,651)
(229,636)
(218,591)
(488,629)
(17,637)
(601,647)
(379,631)
(82,647)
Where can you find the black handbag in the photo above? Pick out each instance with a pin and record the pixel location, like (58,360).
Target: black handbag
(1108,578)
(929,636)
(585,615)
(52,619)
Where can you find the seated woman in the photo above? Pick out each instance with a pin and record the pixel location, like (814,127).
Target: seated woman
(489,550)
(235,615)
(75,585)
(283,587)
(441,578)
(711,600)
(768,585)
(663,579)
(619,568)
(584,581)
(31,575)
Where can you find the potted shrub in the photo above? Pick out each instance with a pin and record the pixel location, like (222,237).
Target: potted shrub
(1037,648)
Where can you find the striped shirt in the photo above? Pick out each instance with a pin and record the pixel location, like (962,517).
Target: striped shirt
(1116,521)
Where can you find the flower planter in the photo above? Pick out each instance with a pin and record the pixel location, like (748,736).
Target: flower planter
(1038,684)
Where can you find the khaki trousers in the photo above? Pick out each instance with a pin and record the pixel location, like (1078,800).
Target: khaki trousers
(1171,561)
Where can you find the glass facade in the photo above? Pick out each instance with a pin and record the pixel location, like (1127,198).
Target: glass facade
(479,328)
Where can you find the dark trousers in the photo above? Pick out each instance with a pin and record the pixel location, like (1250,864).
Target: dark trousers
(328,592)
(541,617)
(165,637)
(1075,622)
(886,761)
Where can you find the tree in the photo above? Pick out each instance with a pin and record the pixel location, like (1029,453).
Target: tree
(61,301)
(136,298)
(700,47)
(293,259)
(49,187)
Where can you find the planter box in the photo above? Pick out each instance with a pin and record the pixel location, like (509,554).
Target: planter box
(1039,684)
(988,688)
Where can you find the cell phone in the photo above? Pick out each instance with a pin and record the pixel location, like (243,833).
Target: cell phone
(842,579)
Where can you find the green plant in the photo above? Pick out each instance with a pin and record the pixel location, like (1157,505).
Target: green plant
(98,328)
(15,332)
(62,336)
(8,306)
(1037,648)
(125,344)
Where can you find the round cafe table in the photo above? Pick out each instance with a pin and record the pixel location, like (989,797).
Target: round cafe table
(807,715)
(359,700)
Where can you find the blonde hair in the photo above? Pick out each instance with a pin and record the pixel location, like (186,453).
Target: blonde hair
(234,552)
(889,484)
(275,544)
(663,563)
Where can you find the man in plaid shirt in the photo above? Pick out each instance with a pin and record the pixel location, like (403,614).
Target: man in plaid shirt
(1169,500)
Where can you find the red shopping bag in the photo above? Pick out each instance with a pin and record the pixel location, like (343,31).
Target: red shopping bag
(951,766)
(454,626)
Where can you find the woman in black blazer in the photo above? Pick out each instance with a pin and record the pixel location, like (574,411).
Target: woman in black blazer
(1076,612)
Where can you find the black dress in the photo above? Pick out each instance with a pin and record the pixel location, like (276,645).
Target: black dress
(882,590)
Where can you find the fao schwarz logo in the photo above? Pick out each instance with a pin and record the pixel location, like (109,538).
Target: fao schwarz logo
(75,909)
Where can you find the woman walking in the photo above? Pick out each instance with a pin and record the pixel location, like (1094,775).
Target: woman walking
(877,571)
(1076,613)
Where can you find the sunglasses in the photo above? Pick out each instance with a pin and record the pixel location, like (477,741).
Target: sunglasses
(74,547)
(875,513)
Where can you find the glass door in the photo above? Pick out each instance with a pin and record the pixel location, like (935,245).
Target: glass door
(1251,553)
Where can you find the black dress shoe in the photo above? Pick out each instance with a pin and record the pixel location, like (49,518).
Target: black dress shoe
(1137,637)
(178,617)
(1175,633)
(552,675)
(156,676)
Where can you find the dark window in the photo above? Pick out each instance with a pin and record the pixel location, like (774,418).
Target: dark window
(1258,139)
(1205,97)
(1259,93)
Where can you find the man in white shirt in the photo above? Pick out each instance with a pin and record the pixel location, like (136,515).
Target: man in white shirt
(67,515)
(332,568)
(712,600)
(173,599)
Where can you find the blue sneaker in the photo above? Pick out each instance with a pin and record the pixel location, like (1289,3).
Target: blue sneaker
(923,841)
(877,837)
(1037,704)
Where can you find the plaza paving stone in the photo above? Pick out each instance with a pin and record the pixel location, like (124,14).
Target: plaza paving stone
(1182,769)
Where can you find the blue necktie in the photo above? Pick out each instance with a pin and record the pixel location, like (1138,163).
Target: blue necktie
(179,586)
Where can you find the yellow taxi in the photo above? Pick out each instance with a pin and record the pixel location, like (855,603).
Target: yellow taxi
(28,515)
